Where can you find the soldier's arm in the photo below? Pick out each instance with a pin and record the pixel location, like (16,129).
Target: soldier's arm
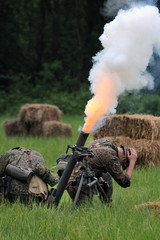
(46,175)
(132,160)
(38,167)
(114,168)
(50,178)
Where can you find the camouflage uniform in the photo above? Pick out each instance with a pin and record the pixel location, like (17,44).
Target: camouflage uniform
(19,157)
(105,164)
(106,160)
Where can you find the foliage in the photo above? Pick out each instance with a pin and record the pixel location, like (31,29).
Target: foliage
(141,103)
(63,34)
(69,102)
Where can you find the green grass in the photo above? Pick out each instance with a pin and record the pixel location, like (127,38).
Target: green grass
(120,222)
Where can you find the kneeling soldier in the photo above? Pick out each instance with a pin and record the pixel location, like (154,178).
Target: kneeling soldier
(23,175)
(106,163)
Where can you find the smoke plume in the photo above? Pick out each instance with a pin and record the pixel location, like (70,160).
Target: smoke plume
(128,45)
(111,7)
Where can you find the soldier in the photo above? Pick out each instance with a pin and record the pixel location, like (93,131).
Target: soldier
(106,163)
(35,187)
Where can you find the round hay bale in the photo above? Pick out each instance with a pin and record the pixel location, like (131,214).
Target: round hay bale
(135,126)
(38,113)
(148,151)
(56,129)
(14,128)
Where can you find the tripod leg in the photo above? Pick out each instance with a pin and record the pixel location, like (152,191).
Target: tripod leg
(78,192)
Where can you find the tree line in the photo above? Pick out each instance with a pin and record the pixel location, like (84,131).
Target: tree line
(49,36)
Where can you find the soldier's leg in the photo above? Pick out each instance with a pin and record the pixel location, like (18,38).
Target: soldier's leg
(108,186)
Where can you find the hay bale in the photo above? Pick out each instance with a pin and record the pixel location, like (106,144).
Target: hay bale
(148,151)
(150,205)
(38,113)
(56,129)
(35,129)
(14,128)
(135,126)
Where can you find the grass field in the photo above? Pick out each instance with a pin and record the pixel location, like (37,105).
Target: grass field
(120,222)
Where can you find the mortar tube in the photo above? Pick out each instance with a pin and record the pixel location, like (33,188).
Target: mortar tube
(68,171)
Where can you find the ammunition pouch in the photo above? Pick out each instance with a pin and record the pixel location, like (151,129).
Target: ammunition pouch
(38,188)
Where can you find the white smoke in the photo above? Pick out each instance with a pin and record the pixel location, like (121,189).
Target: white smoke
(111,7)
(128,44)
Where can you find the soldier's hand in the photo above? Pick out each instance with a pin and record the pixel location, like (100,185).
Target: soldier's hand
(132,156)
(100,180)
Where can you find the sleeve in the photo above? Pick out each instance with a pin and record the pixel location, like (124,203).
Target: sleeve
(115,171)
(50,178)
(38,167)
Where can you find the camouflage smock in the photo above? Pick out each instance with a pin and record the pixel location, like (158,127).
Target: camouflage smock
(20,158)
(106,160)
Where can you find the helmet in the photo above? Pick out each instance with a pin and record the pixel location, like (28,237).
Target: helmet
(126,161)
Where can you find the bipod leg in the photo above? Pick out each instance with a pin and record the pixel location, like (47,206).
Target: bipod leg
(78,192)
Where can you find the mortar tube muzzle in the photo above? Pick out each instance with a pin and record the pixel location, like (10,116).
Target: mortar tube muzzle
(82,139)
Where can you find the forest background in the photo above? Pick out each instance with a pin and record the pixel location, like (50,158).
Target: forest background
(46,50)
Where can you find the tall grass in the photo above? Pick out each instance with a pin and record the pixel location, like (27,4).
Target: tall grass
(89,221)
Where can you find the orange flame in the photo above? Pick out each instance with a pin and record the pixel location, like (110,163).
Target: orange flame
(94,110)
(98,105)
